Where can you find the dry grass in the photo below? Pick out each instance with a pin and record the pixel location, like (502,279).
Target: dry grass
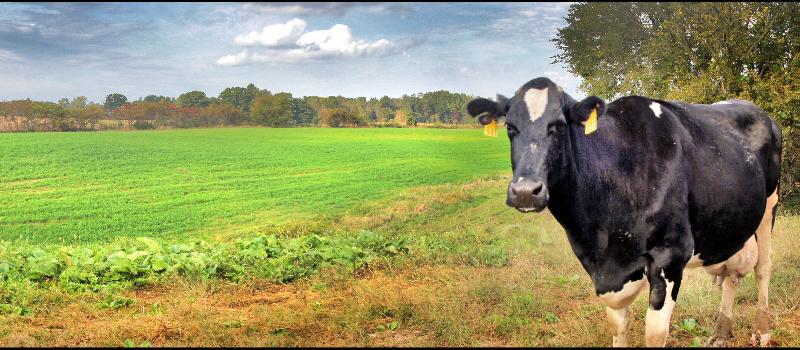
(540,297)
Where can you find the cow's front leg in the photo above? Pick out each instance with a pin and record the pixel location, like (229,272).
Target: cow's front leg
(664,274)
(617,310)
(619,321)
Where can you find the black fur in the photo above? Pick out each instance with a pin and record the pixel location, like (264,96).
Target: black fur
(645,192)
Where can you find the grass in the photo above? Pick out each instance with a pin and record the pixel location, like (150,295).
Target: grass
(479,274)
(475,273)
(75,188)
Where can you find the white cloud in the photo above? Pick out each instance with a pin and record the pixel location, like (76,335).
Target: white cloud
(287,43)
(275,34)
(537,22)
(468,71)
(339,41)
(329,8)
(9,56)
(234,60)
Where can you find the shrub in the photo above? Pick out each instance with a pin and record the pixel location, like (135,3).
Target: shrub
(142,125)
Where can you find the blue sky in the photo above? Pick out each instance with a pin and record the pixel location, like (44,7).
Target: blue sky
(50,51)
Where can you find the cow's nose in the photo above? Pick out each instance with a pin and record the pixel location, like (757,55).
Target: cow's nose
(537,188)
(527,195)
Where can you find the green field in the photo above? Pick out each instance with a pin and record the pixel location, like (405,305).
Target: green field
(309,237)
(73,188)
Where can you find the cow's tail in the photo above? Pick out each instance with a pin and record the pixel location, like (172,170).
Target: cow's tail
(773,166)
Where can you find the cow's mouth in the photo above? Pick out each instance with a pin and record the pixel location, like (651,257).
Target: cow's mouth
(531,209)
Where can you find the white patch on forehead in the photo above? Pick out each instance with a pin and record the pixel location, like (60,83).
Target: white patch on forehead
(656,109)
(722,103)
(536,101)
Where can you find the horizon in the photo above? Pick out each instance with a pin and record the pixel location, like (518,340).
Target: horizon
(54,51)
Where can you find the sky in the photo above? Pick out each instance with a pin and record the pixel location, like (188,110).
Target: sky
(51,51)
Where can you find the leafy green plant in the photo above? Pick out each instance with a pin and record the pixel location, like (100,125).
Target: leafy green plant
(391,326)
(696,343)
(115,302)
(128,343)
(8,309)
(550,317)
(691,326)
(142,261)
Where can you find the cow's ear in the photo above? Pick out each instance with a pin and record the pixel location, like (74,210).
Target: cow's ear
(487,110)
(582,110)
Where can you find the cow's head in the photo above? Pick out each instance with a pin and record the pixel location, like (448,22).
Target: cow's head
(538,118)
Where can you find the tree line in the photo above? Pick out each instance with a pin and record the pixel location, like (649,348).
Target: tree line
(235,106)
(694,52)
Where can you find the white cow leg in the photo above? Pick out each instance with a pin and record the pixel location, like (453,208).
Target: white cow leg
(618,312)
(659,312)
(657,324)
(618,322)
(761,332)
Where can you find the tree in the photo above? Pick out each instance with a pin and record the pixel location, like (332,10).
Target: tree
(272,110)
(340,117)
(404,118)
(223,113)
(240,97)
(79,102)
(193,99)
(158,98)
(698,52)
(302,112)
(87,117)
(114,101)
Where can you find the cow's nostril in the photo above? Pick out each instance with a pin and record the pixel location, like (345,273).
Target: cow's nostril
(537,188)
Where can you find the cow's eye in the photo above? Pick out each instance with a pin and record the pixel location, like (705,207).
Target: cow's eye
(512,130)
(554,128)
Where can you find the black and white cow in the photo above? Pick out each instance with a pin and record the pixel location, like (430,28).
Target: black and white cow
(657,187)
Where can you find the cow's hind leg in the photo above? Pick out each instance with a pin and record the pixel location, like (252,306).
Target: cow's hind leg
(736,267)
(761,332)
(725,317)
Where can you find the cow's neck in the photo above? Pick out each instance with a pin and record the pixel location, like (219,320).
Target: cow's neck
(562,192)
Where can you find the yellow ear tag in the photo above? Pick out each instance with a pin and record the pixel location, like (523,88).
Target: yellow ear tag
(490,129)
(590,125)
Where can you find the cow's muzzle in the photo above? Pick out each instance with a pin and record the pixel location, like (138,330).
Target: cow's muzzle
(527,195)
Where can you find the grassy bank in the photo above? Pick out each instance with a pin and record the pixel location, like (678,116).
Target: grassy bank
(472,272)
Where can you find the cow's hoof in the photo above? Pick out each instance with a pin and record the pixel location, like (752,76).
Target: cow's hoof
(715,342)
(758,339)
